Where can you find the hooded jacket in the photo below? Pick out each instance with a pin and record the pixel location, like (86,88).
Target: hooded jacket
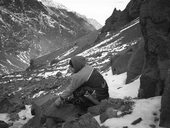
(86,76)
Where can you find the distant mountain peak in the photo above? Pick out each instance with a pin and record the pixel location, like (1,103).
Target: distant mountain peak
(91,21)
(52,3)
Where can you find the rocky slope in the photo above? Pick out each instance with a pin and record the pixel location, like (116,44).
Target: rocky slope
(120,18)
(29,29)
(140,48)
(41,83)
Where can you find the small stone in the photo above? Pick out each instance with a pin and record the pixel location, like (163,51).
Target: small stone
(3,124)
(23,118)
(156,119)
(136,121)
(152,126)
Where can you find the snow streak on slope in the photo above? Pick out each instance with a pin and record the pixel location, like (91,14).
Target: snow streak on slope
(97,56)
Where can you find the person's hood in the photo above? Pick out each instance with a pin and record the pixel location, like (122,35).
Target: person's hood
(78,63)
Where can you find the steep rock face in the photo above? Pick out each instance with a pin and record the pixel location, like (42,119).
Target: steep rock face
(119,63)
(135,64)
(118,19)
(165,104)
(32,29)
(155,26)
(111,20)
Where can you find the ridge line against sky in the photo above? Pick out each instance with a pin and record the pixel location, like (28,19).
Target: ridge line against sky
(99,10)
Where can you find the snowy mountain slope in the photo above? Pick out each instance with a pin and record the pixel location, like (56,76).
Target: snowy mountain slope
(44,79)
(146,109)
(31,29)
(98,54)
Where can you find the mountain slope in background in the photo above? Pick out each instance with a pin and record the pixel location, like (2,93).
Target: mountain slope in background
(119,49)
(53,79)
(29,29)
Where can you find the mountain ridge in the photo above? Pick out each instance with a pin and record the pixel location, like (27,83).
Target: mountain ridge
(32,29)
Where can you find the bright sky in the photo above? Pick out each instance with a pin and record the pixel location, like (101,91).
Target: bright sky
(96,9)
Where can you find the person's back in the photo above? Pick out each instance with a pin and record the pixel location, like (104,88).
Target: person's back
(85,78)
(87,88)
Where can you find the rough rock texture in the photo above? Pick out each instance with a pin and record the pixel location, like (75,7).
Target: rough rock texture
(43,108)
(155,27)
(111,20)
(10,104)
(110,108)
(109,113)
(135,64)
(39,108)
(119,62)
(165,105)
(118,19)
(3,124)
(85,121)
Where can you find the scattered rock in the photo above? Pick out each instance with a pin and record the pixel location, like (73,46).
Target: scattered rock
(156,119)
(109,113)
(14,116)
(136,121)
(3,124)
(123,105)
(59,74)
(152,126)
(85,121)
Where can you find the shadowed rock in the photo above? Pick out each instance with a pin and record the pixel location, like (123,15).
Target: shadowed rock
(155,26)
(10,104)
(3,124)
(119,63)
(85,121)
(135,65)
(165,105)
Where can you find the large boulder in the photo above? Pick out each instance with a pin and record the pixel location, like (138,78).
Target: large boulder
(135,65)
(119,63)
(39,107)
(112,108)
(11,104)
(165,105)
(155,27)
(85,121)
(3,124)
(44,108)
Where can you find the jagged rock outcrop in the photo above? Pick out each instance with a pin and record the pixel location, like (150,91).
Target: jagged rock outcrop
(155,27)
(118,19)
(111,20)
